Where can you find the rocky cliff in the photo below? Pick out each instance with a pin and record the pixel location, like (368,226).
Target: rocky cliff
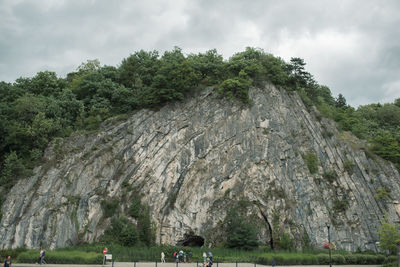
(192,160)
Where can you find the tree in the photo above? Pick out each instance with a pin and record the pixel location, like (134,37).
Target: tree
(389,236)
(340,101)
(208,66)
(300,77)
(385,145)
(240,233)
(139,69)
(12,170)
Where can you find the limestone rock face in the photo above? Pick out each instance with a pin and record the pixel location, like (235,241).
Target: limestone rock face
(191,161)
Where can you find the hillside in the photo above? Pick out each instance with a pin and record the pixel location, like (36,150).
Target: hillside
(191,161)
(193,150)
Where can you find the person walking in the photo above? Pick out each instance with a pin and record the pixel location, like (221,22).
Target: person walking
(7,262)
(40,256)
(162,257)
(42,261)
(210,257)
(204,256)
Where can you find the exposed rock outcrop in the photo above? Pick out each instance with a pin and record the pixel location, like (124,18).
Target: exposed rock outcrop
(191,160)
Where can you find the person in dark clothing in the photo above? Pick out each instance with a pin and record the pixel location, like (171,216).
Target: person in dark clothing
(7,262)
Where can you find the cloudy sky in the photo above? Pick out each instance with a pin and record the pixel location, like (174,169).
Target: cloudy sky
(352,46)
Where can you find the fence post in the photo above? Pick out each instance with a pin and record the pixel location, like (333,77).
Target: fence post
(176,264)
(197,264)
(156,263)
(104,259)
(134,264)
(112,262)
(255,265)
(236,264)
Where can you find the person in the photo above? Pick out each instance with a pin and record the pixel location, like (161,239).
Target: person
(180,256)
(190,256)
(184,257)
(204,256)
(210,257)
(40,256)
(162,257)
(7,262)
(42,261)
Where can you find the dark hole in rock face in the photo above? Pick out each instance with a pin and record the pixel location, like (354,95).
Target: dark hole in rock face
(191,240)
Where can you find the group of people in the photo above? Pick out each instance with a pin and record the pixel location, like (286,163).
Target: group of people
(181,257)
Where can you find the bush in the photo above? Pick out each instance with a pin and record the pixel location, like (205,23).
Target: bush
(330,176)
(338,259)
(311,160)
(64,257)
(348,166)
(340,205)
(109,207)
(285,242)
(134,209)
(11,252)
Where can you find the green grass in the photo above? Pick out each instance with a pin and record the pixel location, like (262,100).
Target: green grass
(60,256)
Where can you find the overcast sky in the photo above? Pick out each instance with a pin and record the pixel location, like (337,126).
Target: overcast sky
(353,47)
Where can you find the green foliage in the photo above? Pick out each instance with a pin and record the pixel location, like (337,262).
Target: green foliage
(330,176)
(389,236)
(340,205)
(236,87)
(109,207)
(311,160)
(349,166)
(135,208)
(286,243)
(62,257)
(240,233)
(383,194)
(386,145)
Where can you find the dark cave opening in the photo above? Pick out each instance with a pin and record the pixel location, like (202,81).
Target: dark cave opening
(191,240)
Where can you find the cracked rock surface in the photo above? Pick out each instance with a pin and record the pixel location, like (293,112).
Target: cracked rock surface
(192,160)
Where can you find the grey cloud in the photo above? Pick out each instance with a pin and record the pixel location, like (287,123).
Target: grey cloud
(59,35)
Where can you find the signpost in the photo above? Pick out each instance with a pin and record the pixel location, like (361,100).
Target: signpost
(105,250)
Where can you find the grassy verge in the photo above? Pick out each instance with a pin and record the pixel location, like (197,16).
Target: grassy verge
(64,257)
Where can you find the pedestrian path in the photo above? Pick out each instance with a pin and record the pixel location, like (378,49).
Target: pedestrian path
(170,264)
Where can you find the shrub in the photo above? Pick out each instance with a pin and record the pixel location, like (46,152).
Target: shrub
(134,209)
(338,259)
(330,176)
(348,166)
(340,205)
(64,257)
(311,160)
(383,194)
(109,207)
(236,87)
(285,242)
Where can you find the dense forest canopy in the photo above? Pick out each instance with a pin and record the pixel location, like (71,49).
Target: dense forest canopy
(34,111)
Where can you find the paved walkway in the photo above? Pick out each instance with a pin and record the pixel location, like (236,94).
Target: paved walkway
(168,264)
